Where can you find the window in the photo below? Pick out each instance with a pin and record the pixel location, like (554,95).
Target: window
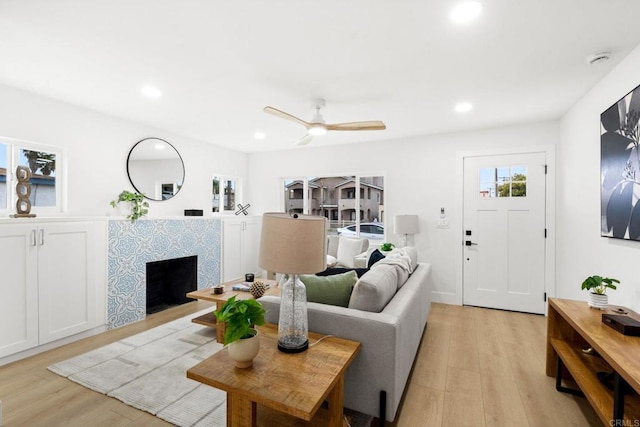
(226,193)
(503,182)
(334,197)
(44,163)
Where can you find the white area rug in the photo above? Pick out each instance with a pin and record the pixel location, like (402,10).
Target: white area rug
(148,371)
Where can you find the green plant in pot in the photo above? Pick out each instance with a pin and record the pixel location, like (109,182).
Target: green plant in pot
(597,287)
(386,247)
(139,206)
(239,317)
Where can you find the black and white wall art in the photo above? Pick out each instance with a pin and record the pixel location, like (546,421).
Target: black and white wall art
(620,168)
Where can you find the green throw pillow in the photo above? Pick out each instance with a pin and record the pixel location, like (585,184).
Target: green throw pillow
(332,290)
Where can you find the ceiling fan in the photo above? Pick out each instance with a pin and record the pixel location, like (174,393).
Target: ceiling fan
(317,125)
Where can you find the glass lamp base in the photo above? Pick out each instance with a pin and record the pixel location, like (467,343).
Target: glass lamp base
(293,344)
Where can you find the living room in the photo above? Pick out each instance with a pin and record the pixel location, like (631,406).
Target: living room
(422,172)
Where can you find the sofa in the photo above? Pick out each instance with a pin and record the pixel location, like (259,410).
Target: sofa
(390,331)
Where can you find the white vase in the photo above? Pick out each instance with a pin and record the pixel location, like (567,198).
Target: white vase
(600,301)
(244,350)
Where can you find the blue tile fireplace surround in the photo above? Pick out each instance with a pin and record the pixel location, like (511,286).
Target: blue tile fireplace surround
(132,245)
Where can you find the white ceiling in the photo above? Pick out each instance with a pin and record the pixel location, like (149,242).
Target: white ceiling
(218,63)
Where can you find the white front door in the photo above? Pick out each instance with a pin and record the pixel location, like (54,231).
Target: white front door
(504,232)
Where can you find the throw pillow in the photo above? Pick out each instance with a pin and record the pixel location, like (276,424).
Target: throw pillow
(339,270)
(347,250)
(331,261)
(331,290)
(375,289)
(374,257)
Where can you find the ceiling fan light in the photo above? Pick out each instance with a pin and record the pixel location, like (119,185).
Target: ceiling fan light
(317,130)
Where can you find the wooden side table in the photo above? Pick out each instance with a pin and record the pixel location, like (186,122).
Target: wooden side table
(294,384)
(207,294)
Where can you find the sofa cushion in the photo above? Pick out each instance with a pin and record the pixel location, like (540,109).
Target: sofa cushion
(375,289)
(332,290)
(347,251)
(375,256)
(331,261)
(332,245)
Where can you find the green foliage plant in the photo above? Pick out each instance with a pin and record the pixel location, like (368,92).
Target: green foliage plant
(139,206)
(386,247)
(598,285)
(240,316)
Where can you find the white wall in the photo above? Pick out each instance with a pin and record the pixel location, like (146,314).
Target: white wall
(581,251)
(96,149)
(420,177)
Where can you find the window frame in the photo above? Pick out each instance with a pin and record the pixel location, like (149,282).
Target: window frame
(238,193)
(13,147)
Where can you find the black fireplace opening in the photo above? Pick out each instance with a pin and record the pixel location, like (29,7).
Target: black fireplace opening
(168,282)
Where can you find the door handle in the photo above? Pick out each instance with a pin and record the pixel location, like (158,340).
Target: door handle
(33,237)
(470,243)
(41,237)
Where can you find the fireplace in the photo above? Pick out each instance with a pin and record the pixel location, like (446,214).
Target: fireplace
(168,282)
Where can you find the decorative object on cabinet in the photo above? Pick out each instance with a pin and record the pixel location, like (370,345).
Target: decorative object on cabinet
(155,169)
(193,212)
(243,209)
(240,317)
(139,206)
(405,225)
(597,287)
(293,245)
(23,190)
(618,168)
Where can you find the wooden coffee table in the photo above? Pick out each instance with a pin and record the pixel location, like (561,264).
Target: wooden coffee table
(209,319)
(294,384)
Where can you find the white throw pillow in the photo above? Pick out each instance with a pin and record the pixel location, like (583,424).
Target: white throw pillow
(375,289)
(347,250)
(331,261)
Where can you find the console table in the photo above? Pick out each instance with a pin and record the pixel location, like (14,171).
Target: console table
(572,327)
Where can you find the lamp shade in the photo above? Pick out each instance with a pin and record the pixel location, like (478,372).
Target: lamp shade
(293,244)
(405,224)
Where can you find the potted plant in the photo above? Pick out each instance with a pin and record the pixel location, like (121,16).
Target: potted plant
(239,317)
(386,247)
(597,287)
(139,206)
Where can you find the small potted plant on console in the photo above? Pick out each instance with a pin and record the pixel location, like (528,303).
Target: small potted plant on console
(597,287)
(240,336)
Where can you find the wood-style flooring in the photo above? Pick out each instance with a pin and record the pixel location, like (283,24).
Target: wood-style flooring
(475,367)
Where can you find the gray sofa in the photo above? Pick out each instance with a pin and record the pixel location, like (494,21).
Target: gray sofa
(375,381)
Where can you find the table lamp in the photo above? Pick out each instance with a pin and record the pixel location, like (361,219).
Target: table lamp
(405,224)
(293,244)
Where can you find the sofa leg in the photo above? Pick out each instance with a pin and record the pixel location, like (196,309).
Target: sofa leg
(383,407)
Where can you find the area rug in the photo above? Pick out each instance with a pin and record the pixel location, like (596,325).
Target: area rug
(148,371)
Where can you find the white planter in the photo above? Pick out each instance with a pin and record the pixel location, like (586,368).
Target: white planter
(598,301)
(244,351)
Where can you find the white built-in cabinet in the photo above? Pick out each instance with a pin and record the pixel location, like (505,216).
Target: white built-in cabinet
(51,281)
(240,245)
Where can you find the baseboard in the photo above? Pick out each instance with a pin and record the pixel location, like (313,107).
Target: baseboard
(59,343)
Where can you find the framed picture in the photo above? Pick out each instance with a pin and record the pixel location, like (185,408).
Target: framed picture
(620,168)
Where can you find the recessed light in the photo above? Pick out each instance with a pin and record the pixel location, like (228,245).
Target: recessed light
(465,12)
(151,92)
(464,107)
(259,135)
(159,146)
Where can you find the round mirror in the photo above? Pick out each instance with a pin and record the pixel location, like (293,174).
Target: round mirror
(155,169)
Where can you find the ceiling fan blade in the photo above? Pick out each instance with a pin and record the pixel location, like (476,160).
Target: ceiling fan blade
(370,125)
(284,115)
(305,139)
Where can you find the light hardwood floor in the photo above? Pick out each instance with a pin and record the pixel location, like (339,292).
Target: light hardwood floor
(475,367)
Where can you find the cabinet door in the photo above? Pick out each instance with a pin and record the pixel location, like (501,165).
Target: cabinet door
(18,289)
(231,250)
(251,245)
(66,279)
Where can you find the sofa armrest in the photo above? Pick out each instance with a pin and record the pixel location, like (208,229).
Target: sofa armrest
(360,260)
